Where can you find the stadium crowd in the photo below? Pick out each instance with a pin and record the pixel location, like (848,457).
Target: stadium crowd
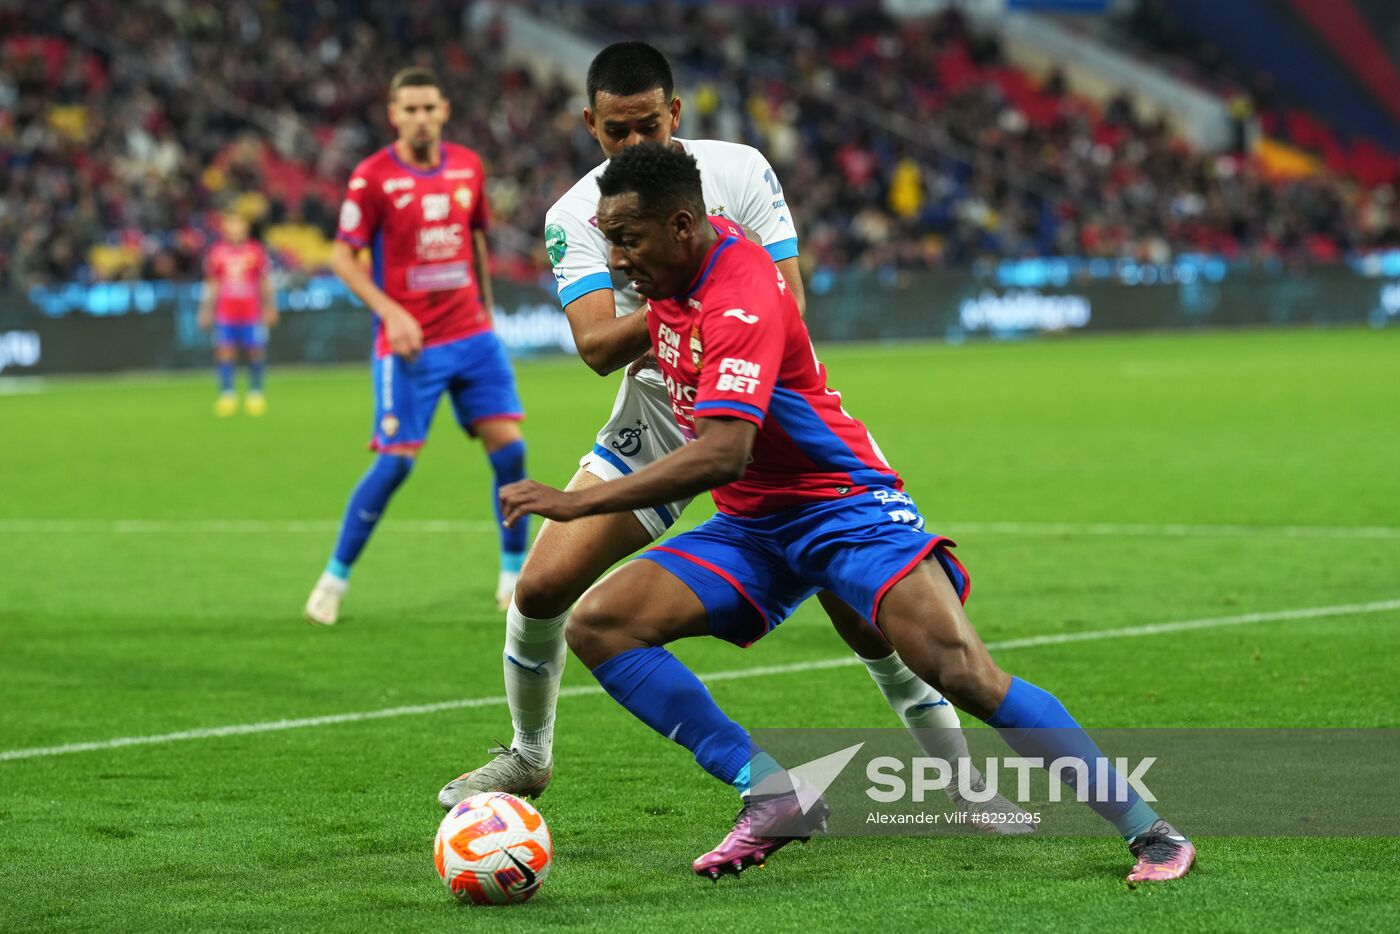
(125,127)
(986,160)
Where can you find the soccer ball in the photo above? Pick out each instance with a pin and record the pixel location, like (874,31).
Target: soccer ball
(493,849)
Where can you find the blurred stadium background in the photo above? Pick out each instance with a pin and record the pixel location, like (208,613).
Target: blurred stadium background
(1003,166)
(178,751)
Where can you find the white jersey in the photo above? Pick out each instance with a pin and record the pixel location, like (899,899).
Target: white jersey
(738,184)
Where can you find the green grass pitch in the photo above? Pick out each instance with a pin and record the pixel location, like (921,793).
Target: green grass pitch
(1064,468)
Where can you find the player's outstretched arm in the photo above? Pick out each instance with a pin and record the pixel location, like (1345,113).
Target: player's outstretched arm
(605,341)
(718,456)
(404,334)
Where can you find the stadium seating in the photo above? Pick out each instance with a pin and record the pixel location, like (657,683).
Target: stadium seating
(122,133)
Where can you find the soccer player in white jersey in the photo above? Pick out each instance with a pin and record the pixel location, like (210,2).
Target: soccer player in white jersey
(630,100)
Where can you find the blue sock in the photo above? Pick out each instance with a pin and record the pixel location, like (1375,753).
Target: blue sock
(662,693)
(758,768)
(1035,724)
(225,377)
(509,465)
(256,369)
(366,505)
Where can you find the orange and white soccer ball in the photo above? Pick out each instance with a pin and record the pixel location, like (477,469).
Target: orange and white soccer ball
(493,849)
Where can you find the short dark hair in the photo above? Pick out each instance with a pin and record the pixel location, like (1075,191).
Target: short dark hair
(626,68)
(664,178)
(415,76)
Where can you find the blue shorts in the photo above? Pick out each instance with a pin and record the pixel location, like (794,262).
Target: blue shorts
(752,573)
(473,371)
(250,336)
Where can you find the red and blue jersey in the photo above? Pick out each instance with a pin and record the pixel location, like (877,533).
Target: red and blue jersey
(237,270)
(735,346)
(418,227)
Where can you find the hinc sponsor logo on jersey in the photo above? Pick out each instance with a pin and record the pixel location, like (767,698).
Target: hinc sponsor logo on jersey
(397,184)
(440,241)
(436,207)
(556,244)
(737,375)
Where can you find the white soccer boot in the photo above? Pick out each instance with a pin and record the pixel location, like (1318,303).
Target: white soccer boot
(323,606)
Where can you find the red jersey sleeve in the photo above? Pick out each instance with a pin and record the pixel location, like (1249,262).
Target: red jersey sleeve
(359,213)
(741,343)
(726,227)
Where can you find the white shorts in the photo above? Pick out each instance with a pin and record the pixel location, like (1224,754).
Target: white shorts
(640,431)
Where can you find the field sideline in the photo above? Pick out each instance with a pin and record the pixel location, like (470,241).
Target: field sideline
(1241,488)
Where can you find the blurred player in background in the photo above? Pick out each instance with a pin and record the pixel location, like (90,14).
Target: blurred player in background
(240,304)
(630,97)
(806,501)
(419,207)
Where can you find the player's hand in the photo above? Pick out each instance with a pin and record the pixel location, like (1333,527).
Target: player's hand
(530,497)
(646,360)
(271,317)
(404,334)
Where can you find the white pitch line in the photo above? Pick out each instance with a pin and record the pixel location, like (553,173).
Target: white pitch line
(272,726)
(21,385)
(452,526)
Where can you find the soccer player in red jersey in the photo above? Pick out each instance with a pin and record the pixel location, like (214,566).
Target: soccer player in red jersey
(806,501)
(240,304)
(419,207)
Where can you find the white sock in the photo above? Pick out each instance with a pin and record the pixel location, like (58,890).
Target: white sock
(534,664)
(926,713)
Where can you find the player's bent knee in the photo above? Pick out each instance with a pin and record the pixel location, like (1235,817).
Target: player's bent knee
(497,433)
(593,630)
(607,622)
(584,643)
(540,595)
